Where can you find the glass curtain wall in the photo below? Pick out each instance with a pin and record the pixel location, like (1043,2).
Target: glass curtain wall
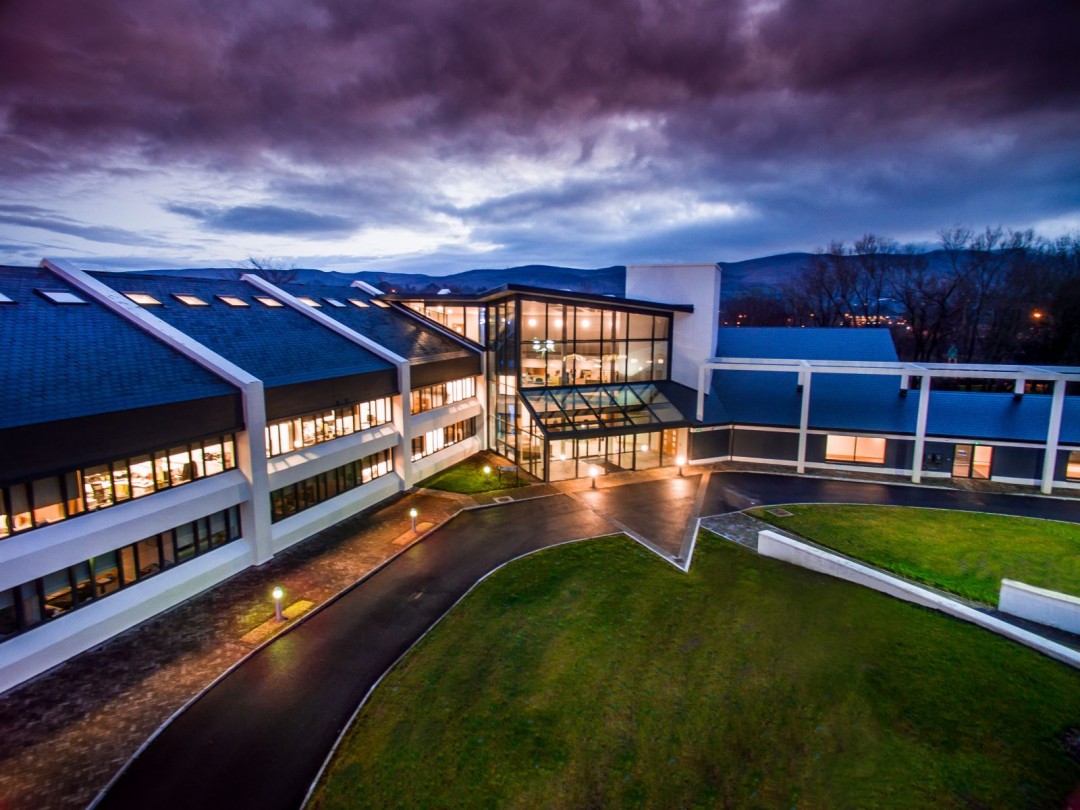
(502,364)
(563,344)
(574,458)
(466,321)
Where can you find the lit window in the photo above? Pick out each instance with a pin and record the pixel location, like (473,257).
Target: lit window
(143,300)
(233,301)
(356,302)
(379,303)
(5,300)
(190,300)
(268,302)
(334,302)
(1072,469)
(861,449)
(311,302)
(61,297)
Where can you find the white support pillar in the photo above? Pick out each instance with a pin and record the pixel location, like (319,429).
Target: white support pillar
(403,463)
(920,428)
(250,444)
(804,416)
(704,372)
(1053,435)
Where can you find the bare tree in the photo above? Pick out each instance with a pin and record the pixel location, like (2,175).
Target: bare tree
(276,271)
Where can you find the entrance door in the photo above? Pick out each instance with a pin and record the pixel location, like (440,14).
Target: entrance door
(972,461)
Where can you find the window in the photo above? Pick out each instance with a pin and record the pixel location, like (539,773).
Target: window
(143,299)
(435,440)
(310,492)
(1072,467)
(268,302)
(379,303)
(334,302)
(189,300)
(61,297)
(860,449)
(5,300)
(356,302)
(311,302)
(233,301)
(24,607)
(440,394)
(30,505)
(286,435)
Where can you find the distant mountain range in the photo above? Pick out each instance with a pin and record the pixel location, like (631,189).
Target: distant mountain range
(764,275)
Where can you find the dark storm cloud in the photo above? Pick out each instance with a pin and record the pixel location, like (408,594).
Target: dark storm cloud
(29,216)
(266,219)
(343,77)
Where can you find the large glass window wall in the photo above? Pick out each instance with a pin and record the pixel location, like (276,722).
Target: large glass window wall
(436,396)
(466,321)
(576,458)
(32,504)
(296,432)
(287,501)
(40,600)
(564,344)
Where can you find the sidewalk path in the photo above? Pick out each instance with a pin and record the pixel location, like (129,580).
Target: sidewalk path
(258,737)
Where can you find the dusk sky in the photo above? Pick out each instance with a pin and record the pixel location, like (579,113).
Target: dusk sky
(439,136)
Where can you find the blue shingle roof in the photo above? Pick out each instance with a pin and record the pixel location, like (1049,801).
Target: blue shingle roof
(389,328)
(278,345)
(784,343)
(62,361)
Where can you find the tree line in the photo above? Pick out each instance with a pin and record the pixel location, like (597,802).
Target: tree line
(990,296)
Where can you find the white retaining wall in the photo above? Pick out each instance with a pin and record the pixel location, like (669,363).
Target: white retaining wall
(772,544)
(1040,605)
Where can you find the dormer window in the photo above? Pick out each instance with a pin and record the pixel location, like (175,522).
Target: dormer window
(311,302)
(61,297)
(356,302)
(334,303)
(190,300)
(233,301)
(268,302)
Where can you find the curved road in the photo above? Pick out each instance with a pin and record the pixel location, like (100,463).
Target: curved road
(258,737)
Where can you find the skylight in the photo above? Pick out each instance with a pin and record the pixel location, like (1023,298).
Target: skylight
(233,301)
(268,302)
(379,303)
(143,299)
(333,302)
(5,300)
(62,297)
(190,300)
(311,302)
(356,302)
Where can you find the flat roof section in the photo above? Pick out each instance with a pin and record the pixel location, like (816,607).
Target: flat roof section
(511,290)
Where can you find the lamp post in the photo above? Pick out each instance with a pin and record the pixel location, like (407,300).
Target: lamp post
(277,593)
(487,472)
(593,472)
(412,514)
(680,461)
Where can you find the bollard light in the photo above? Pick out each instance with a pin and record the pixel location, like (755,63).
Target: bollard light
(487,471)
(413,514)
(593,472)
(277,593)
(680,461)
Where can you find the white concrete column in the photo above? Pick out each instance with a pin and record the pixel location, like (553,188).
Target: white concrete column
(920,429)
(804,416)
(703,373)
(1053,435)
(403,463)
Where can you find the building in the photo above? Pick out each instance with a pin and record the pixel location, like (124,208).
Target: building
(162,434)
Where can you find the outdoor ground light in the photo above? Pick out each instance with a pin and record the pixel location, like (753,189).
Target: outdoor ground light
(487,471)
(277,593)
(413,514)
(679,461)
(593,472)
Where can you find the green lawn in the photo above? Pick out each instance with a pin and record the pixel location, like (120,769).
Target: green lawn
(468,476)
(595,675)
(966,553)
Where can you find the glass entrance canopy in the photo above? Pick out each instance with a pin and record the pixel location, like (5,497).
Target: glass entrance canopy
(601,407)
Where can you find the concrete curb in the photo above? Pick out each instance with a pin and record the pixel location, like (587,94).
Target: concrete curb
(774,545)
